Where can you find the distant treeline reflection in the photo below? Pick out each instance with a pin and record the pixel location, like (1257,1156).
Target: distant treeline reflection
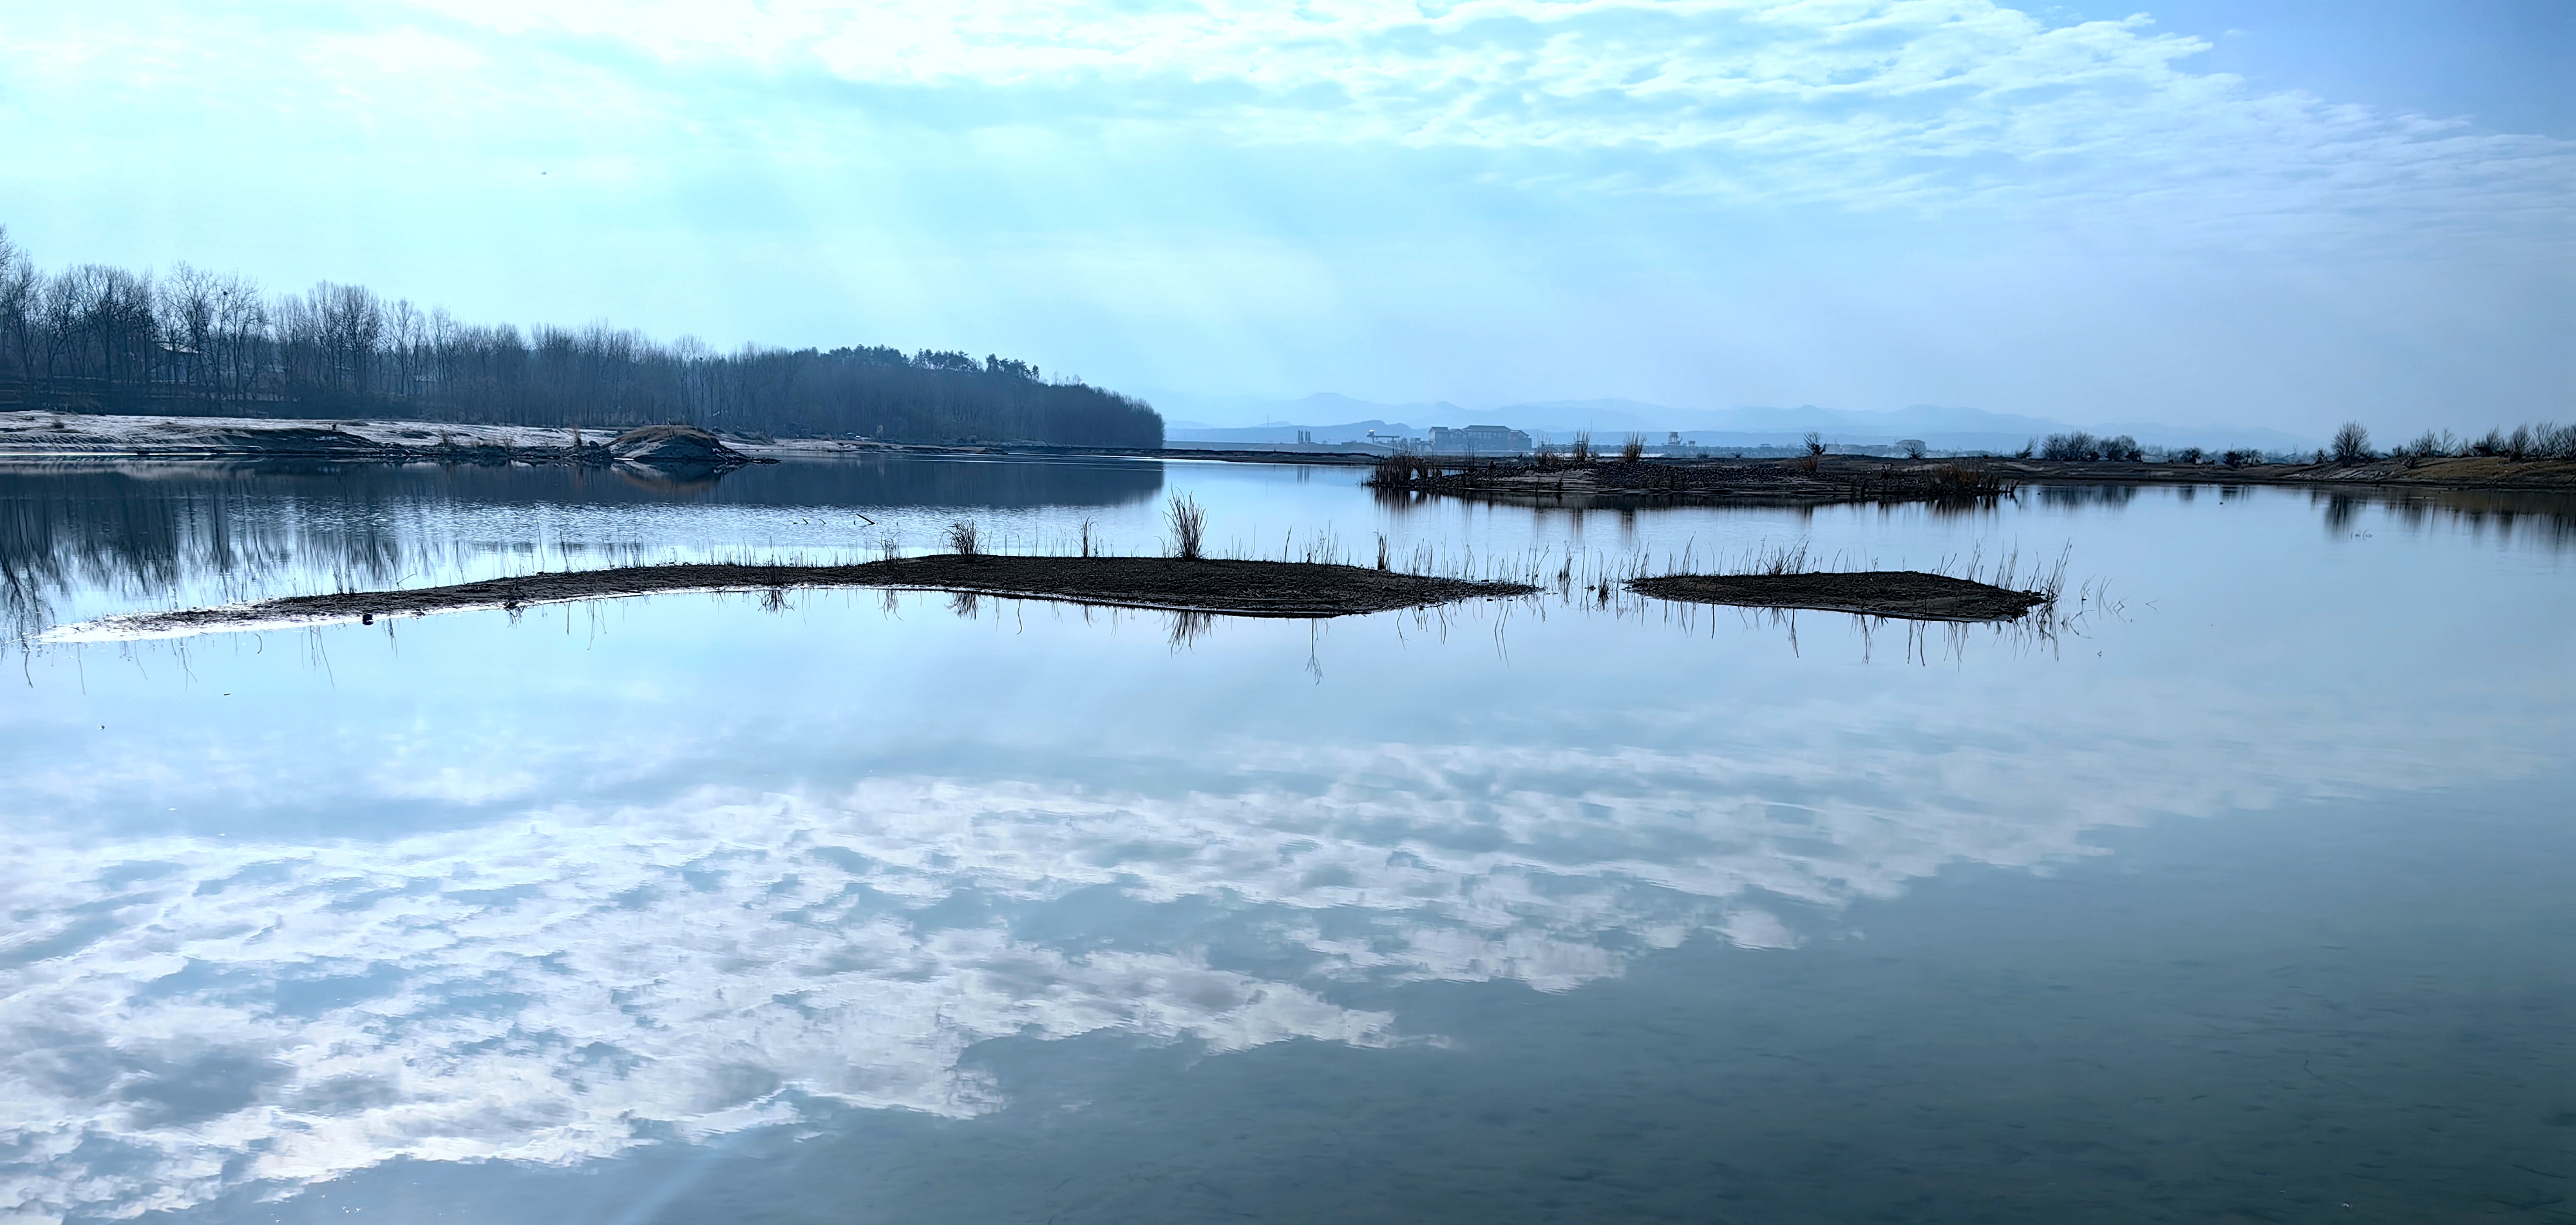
(145,530)
(94,338)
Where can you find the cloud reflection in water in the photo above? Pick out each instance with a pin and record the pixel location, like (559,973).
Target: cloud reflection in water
(572,981)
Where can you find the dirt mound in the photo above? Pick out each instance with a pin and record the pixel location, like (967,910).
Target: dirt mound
(674,446)
(1878,593)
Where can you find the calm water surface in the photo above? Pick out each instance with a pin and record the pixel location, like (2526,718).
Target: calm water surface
(2239,892)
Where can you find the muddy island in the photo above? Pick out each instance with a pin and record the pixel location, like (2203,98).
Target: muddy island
(1561,482)
(1910,594)
(1552,481)
(1222,587)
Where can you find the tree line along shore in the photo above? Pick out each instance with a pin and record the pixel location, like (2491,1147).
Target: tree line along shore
(99,339)
(94,344)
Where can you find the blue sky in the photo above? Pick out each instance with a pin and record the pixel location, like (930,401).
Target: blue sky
(2267,212)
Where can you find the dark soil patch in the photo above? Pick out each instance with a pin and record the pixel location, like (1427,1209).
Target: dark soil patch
(1232,588)
(674,446)
(1877,593)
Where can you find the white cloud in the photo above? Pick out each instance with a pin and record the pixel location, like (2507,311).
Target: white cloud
(1861,203)
(1923,102)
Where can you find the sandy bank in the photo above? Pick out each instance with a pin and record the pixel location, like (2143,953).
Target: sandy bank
(1882,593)
(1231,588)
(72,435)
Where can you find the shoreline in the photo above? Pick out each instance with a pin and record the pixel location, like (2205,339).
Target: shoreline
(1965,481)
(37,435)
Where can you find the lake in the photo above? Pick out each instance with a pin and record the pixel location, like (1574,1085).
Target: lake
(2236,888)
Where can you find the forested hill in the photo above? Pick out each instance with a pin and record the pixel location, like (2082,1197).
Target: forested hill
(101,339)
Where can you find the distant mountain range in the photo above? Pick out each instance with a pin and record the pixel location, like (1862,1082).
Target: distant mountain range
(1328,417)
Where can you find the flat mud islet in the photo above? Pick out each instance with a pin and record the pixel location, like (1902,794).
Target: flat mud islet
(1230,588)
(1878,593)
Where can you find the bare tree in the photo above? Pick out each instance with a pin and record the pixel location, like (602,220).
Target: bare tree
(19,292)
(187,309)
(2352,444)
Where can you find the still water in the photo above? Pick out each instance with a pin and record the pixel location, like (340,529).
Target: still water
(2239,891)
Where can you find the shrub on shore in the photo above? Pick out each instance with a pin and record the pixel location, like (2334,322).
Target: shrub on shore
(2078,446)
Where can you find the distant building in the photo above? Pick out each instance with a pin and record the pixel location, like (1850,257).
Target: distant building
(1480,439)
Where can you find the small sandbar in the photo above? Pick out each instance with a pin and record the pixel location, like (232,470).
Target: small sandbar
(1877,593)
(1223,587)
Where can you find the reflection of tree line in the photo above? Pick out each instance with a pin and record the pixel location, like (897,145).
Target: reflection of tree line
(100,339)
(865,480)
(107,530)
(148,529)
(2549,518)
(971,484)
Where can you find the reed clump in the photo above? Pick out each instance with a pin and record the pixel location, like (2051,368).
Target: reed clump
(1188,522)
(1404,469)
(1957,480)
(963,538)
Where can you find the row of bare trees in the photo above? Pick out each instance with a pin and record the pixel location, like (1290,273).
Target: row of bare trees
(94,338)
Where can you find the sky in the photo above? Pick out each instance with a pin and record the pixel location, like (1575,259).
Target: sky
(2279,213)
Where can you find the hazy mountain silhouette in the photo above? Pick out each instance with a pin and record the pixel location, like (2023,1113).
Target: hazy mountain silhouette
(1333,417)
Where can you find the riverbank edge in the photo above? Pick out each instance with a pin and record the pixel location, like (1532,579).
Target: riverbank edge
(44,435)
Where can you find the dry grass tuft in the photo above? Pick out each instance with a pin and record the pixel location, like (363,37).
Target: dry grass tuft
(1188,520)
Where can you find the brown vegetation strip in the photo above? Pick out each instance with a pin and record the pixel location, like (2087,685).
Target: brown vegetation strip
(1882,593)
(1233,588)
